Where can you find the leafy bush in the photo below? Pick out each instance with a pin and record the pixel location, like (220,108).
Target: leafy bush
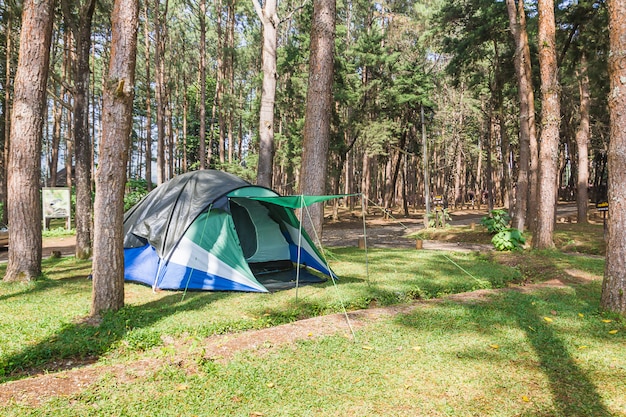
(508,239)
(136,189)
(435,218)
(497,221)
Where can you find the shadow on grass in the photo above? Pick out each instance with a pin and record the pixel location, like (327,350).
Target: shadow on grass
(52,267)
(81,343)
(573,390)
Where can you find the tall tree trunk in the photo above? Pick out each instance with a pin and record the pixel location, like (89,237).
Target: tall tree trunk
(6,143)
(527,134)
(69,133)
(479,174)
(393,171)
(185,165)
(458,165)
(169,134)
(269,20)
(458,153)
(202,155)
(425,169)
(319,99)
(366,185)
(81,28)
(160,29)
(614,283)
(550,121)
(582,143)
(53,162)
(146,31)
(505,147)
(231,79)
(24,168)
(488,160)
(108,259)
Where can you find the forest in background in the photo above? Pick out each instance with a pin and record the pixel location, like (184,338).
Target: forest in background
(412,79)
(380,77)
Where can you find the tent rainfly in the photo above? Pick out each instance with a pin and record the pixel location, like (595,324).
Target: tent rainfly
(211,230)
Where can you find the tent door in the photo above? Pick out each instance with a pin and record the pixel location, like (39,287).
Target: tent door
(259,235)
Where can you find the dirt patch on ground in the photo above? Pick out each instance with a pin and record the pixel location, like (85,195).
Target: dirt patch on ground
(63,246)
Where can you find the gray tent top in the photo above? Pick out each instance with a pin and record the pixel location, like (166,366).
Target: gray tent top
(164,215)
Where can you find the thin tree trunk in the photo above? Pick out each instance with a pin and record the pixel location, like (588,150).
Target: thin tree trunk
(319,101)
(230,75)
(56,140)
(505,149)
(489,165)
(582,143)
(6,145)
(148,98)
(269,20)
(81,28)
(24,167)
(517,24)
(202,154)
(479,174)
(365,180)
(185,165)
(425,169)
(550,121)
(69,133)
(169,130)
(108,260)
(160,29)
(614,283)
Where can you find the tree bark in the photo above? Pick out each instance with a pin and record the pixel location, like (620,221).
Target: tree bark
(202,155)
(24,167)
(614,283)
(80,26)
(6,143)
(319,100)
(53,162)
(517,24)
(550,121)
(582,143)
(269,20)
(160,29)
(148,99)
(108,260)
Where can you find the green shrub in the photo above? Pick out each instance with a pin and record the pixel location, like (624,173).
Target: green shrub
(435,218)
(497,221)
(508,239)
(136,189)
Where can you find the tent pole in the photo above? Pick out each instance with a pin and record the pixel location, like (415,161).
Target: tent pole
(156,279)
(332,277)
(299,246)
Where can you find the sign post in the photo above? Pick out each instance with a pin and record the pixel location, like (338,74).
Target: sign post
(56,204)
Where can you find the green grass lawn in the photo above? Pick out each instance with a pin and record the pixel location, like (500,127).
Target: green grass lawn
(546,351)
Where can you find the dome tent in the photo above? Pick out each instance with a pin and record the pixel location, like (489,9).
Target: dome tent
(211,230)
